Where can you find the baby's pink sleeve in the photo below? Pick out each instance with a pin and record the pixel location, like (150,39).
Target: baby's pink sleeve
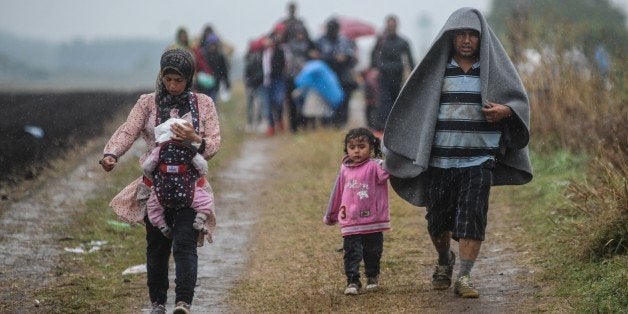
(150,163)
(155,211)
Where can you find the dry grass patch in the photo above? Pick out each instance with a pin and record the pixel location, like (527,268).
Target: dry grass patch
(295,265)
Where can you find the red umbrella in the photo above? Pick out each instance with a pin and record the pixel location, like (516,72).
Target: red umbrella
(355,28)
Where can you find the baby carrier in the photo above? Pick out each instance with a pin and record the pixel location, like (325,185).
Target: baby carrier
(175,177)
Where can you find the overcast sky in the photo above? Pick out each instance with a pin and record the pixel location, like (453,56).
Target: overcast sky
(236,21)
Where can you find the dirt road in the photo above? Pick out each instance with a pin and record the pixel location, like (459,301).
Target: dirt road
(29,248)
(221,262)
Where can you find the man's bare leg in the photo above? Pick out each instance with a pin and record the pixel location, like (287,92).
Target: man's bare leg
(441,279)
(468,250)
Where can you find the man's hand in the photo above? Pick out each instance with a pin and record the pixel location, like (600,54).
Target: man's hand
(494,112)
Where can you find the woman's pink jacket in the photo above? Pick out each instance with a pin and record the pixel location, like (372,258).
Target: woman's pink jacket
(129,204)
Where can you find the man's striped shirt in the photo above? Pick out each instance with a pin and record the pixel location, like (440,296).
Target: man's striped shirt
(463,136)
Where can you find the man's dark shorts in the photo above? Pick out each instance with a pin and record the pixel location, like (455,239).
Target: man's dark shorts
(457,200)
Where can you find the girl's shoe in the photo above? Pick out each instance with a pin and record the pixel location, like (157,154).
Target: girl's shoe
(199,222)
(166,231)
(352,289)
(372,284)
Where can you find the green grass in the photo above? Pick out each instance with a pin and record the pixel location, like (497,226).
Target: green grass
(552,221)
(94,282)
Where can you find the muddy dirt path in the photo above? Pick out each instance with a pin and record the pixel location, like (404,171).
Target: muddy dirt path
(29,248)
(31,237)
(220,263)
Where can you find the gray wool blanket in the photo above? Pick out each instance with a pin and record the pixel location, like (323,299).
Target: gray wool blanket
(409,131)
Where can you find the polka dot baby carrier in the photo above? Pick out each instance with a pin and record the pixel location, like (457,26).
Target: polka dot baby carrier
(175,177)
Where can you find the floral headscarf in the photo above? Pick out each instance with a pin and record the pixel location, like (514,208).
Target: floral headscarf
(180,61)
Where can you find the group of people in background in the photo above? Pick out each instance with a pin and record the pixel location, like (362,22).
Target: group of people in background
(275,74)
(211,57)
(290,41)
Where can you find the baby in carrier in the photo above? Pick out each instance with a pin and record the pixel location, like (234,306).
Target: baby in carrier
(177,172)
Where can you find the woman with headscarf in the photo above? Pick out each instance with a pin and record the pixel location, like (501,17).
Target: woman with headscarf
(173,98)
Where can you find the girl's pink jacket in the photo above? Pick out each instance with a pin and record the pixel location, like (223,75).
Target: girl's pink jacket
(359,199)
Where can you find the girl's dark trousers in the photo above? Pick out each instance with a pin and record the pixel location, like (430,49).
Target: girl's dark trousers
(183,247)
(358,247)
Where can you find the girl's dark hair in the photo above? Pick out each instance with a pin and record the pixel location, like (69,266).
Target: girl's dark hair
(373,140)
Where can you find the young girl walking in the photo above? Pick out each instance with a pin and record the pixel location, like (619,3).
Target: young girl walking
(359,202)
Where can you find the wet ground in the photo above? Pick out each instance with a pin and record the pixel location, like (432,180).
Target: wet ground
(221,262)
(29,245)
(29,248)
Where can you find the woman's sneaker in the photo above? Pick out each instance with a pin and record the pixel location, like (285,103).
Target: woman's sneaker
(464,288)
(372,284)
(181,308)
(157,308)
(352,289)
(441,279)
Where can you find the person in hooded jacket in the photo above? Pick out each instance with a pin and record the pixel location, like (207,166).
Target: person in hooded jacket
(459,126)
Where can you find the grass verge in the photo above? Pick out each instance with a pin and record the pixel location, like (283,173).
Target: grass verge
(553,226)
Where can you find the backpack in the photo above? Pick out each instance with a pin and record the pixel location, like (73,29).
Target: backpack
(175,177)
